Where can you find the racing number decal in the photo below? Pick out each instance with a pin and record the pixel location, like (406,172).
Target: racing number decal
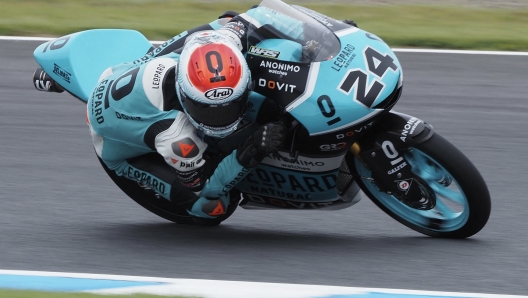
(215,70)
(56,44)
(385,62)
(324,110)
(378,64)
(209,62)
(389,149)
(122,86)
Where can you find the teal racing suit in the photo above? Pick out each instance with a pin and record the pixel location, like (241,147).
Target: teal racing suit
(140,131)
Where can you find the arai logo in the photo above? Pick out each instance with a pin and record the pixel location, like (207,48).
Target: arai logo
(218,93)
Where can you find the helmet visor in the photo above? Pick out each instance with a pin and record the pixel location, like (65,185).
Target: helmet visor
(215,116)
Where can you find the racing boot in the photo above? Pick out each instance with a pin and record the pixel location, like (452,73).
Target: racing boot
(208,211)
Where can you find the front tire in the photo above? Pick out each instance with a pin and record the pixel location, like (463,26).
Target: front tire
(463,201)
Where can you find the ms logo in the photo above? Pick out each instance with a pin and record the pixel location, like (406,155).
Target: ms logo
(185,148)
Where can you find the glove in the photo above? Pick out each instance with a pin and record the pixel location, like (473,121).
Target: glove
(209,207)
(350,22)
(43,82)
(268,139)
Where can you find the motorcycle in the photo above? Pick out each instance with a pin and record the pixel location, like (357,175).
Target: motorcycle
(337,86)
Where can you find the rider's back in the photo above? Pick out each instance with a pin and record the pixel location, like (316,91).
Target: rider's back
(130,98)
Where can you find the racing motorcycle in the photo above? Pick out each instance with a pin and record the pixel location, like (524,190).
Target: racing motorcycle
(337,87)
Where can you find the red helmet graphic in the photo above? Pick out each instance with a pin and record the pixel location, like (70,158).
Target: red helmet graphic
(213,83)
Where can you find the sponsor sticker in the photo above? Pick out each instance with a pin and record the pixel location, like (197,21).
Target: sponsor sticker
(264,52)
(218,93)
(61,72)
(185,148)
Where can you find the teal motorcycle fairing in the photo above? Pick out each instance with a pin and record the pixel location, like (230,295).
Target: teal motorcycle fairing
(334,83)
(76,61)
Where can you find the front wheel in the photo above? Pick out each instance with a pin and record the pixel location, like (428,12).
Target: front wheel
(463,202)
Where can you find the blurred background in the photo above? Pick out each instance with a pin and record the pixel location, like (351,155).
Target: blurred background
(60,212)
(447,24)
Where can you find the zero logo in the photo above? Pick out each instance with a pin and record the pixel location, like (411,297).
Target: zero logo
(389,150)
(357,79)
(212,69)
(122,86)
(56,44)
(328,111)
(219,65)
(391,153)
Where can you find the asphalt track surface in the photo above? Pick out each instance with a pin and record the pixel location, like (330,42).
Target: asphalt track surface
(59,211)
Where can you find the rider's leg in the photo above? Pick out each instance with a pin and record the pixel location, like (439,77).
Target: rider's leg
(152,172)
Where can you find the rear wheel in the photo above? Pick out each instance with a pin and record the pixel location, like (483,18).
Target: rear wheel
(160,206)
(463,202)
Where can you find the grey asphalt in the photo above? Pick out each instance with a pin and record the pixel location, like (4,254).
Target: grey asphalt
(59,212)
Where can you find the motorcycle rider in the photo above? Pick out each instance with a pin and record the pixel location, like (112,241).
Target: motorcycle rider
(154,121)
(173,103)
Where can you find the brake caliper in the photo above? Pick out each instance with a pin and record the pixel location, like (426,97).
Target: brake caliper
(392,173)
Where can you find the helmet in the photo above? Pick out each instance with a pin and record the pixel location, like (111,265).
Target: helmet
(213,83)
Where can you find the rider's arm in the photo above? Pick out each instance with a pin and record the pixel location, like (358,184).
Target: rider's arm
(182,149)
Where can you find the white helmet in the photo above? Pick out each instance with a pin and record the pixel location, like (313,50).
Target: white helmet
(213,83)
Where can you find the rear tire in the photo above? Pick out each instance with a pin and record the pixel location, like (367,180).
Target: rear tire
(463,201)
(160,206)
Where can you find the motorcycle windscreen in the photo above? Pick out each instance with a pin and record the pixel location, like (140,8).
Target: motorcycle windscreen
(283,32)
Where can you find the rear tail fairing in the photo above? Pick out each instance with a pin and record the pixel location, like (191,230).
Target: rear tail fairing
(76,61)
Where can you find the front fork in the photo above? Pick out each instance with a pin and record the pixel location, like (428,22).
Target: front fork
(382,151)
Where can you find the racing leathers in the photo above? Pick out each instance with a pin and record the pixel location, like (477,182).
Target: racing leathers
(140,132)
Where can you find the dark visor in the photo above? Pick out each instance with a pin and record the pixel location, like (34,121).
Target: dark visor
(220,115)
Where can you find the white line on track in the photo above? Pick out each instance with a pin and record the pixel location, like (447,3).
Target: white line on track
(465,52)
(234,289)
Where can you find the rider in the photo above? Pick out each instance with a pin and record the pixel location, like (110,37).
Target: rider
(175,105)
(153,121)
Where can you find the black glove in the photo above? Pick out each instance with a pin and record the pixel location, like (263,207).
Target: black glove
(350,22)
(228,14)
(269,138)
(43,82)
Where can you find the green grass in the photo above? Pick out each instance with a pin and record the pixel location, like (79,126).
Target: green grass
(38,294)
(400,26)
